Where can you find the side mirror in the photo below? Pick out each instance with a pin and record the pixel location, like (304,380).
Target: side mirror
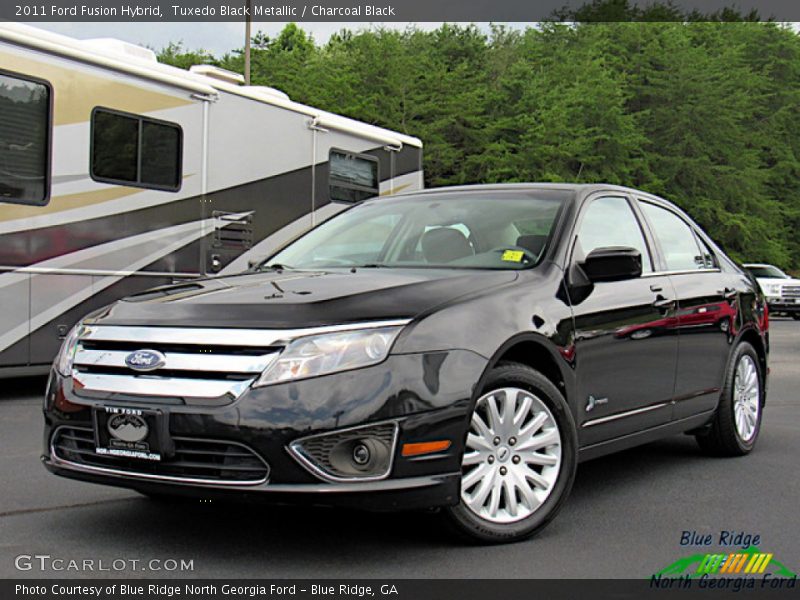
(612,264)
(253,263)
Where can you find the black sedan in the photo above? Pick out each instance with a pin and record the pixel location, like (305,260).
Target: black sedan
(461,348)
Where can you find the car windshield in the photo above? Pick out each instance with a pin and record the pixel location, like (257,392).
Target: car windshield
(767,272)
(491,230)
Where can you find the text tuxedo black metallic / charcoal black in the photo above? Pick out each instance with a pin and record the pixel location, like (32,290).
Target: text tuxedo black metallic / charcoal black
(461,348)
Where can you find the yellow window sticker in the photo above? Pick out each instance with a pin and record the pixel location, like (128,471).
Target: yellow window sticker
(513,255)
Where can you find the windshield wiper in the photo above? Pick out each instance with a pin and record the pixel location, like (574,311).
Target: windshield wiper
(275,267)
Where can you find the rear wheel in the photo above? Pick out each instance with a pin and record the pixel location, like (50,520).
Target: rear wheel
(520,457)
(737,422)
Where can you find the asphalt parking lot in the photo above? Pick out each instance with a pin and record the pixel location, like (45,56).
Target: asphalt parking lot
(624,519)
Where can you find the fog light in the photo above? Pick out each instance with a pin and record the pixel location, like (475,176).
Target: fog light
(358,453)
(361,455)
(357,457)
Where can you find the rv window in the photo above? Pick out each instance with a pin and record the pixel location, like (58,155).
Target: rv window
(134,150)
(353,177)
(24,140)
(161,153)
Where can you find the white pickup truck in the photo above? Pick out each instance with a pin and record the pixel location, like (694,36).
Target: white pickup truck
(782,291)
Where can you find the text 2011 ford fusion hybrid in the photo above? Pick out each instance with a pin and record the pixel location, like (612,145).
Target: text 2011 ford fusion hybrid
(461,348)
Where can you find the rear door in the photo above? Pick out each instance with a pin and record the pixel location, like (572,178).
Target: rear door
(625,347)
(706,315)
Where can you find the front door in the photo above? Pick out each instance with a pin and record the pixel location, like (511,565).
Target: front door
(625,343)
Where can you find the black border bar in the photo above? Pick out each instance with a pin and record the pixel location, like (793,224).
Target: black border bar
(367,11)
(388,589)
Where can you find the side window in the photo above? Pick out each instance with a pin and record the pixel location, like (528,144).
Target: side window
(610,222)
(676,237)
(134,150)
(353,177)
(24,140)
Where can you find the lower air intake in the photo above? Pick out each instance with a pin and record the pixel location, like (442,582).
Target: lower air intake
(194,459)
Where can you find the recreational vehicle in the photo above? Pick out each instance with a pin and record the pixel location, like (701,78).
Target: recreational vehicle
(118,173)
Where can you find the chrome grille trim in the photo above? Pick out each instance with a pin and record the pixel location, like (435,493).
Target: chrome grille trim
(179,361)
(200,362)
(790,291)
(151,385)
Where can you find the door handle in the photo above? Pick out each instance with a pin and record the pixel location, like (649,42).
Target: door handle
(665,303)
(656,288)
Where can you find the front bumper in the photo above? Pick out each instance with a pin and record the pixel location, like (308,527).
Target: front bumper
(391,494)
(778,305)
(427,396)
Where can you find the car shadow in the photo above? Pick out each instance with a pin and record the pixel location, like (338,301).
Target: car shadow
(337,537)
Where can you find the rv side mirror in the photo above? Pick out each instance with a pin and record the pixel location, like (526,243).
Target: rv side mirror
(612,264)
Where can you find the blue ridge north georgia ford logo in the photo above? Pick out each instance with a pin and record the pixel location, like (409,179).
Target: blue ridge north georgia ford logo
(145,360)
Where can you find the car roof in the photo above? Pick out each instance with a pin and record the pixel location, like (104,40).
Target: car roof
(757,265)
(483,187)
(579,189)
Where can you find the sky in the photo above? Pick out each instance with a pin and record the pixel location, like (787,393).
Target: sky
(218,38)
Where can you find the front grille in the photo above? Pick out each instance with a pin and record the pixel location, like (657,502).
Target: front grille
(790,291)
(197,365)
(195,459)
(205,366)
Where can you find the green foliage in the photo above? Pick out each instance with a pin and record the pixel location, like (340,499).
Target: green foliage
(611,11)
(705,113)
(177,55)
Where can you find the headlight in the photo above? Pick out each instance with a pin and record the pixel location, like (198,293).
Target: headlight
(66,354)
(329,353)
(772,290)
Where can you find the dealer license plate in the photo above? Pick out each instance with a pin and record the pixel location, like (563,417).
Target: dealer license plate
(127,432)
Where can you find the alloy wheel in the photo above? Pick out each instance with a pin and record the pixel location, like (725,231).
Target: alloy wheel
(512,457)
(746,398)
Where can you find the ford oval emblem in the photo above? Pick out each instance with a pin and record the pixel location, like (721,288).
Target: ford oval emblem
(145,360)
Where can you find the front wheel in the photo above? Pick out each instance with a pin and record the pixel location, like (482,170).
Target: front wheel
(737,421)
(519,460)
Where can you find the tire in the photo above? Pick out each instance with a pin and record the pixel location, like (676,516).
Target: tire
(796,316)
(728,436)
(494,507)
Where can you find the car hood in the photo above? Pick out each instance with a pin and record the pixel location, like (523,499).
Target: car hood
(291,299)
(764,281)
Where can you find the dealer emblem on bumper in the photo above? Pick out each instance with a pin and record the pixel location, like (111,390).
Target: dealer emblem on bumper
(128,428)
